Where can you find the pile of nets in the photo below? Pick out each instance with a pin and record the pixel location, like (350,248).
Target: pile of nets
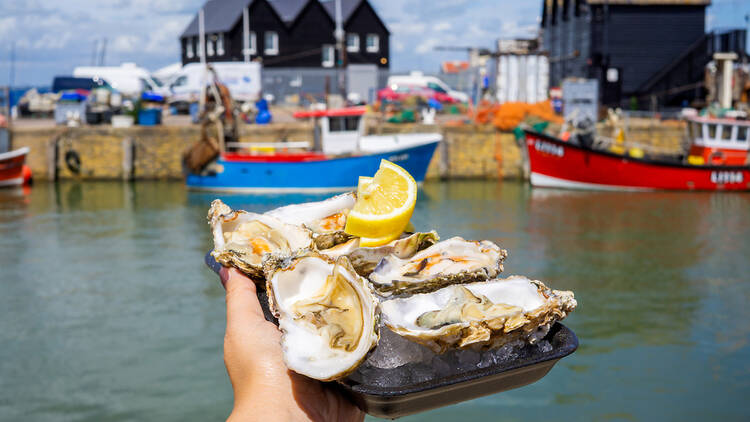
(509,115)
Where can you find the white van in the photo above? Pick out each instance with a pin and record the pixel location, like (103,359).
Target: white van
(242,79)
(419,79)
(128,79)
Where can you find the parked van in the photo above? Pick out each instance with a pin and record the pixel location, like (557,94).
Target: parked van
(128,79)
(420,80)
(242,79)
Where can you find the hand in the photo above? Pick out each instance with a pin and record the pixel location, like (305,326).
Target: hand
(264,389)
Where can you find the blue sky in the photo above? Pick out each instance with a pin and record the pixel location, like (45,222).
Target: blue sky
(52,37)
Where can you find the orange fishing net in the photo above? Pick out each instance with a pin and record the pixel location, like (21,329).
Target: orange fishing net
(509,115)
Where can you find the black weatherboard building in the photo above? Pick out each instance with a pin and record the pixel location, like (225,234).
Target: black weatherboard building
(652,50)
(288,33)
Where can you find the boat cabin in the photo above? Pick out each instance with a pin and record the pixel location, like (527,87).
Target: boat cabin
(337,131)
(719,141)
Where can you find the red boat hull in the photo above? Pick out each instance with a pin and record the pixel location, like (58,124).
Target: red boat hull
(12,168)
(556,163)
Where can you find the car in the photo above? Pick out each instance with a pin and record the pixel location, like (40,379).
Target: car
(402,92)
(431,82)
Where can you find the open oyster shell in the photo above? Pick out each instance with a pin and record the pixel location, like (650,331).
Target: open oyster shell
(327,314)
(326,219)
(448,262)
(243,238)
(478,315)
(365,259)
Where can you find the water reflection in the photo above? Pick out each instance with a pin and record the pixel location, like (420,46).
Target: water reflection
(107,312)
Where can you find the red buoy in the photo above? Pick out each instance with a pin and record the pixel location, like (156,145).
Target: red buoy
(26,172)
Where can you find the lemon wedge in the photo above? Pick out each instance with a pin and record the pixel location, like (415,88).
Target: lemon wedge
(385,203)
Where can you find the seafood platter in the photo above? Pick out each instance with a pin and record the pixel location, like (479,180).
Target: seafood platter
(400,326)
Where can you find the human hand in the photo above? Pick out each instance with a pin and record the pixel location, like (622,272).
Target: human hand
(264,389)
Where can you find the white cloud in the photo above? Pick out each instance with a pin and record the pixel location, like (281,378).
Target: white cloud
(442,26)
(126,43)
(52,41)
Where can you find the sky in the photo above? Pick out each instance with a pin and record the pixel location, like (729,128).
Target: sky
(53,36)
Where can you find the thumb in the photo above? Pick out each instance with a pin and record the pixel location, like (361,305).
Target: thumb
(243,308)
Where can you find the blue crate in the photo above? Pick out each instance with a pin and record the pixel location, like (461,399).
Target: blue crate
(149,117)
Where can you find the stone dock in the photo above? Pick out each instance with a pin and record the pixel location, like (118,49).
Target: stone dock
(106,153)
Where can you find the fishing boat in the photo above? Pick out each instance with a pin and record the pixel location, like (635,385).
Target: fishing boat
(715,159)
(339,154)
(13,169)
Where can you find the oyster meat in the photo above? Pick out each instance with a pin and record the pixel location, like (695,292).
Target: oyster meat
(478,315)
(365,259)
(327,315)
(243,238)
(448,262)
(326,219)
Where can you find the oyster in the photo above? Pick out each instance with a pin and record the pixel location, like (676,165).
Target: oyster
(326,219)
(365,259)
(327,314)
(478,315)
(242,238)
(448,262)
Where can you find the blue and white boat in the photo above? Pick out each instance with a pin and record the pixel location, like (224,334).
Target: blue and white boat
(340,154)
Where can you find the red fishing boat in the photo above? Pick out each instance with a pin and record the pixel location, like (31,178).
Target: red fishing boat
(716,159)
(13,170)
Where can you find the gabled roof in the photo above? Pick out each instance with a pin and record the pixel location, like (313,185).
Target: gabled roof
(288,10)
(347,8)
(222,15)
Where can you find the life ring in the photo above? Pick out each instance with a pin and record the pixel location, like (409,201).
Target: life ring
(73,161)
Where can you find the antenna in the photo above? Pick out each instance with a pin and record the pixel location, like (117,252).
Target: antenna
(103,51)
(93,52)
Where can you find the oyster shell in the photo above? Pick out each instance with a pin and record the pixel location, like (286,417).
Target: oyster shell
(478,315)
(365,259)
(243,238)
(327,314)
(448,262)
(326,219)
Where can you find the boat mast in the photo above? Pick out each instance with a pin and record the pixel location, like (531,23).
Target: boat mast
(341,60)
(202,55)
(246,32)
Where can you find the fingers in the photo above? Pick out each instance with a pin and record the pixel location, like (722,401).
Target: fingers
(243,308)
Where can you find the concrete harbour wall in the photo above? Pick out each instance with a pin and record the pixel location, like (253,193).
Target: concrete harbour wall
(106,153)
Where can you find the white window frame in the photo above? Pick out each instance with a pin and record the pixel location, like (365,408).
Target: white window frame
(189,53)
(253,47)
(209,45)
(354,47)
(332,52)
(274,50)
(375,48)
(220,44)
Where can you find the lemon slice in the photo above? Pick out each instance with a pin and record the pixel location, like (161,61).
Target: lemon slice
(384,204)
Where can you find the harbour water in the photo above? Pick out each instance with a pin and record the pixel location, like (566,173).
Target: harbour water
(107,312)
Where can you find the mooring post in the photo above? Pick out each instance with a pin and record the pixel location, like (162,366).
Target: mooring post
(52,157)
(128,158)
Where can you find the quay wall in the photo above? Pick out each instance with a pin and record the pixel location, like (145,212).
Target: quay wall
(467,151)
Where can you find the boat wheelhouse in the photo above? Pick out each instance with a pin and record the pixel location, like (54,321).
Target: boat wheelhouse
(719,141)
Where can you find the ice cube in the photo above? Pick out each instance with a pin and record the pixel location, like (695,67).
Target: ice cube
(467,360)
(442,366)
(386,378)
(486,359)
(393,351)
(544,346)
(421,372)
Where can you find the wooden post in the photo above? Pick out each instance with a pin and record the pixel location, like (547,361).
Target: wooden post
(52,157)
(128,159)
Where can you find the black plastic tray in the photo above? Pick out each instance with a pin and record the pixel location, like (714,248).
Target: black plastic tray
(393,401)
